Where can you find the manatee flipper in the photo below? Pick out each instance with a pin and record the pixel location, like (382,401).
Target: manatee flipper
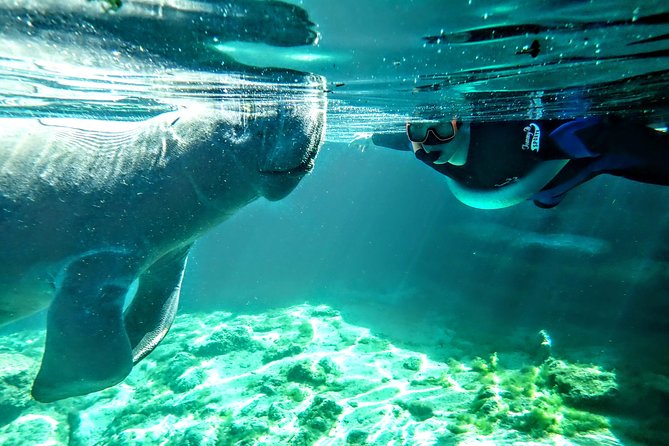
(152,311)
(87,348)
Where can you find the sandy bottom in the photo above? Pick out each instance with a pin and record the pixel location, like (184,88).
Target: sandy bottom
(302,375)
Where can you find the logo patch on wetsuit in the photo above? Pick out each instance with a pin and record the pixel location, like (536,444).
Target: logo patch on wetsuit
(532,137)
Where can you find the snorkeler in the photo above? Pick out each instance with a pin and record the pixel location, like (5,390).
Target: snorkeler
(490,165)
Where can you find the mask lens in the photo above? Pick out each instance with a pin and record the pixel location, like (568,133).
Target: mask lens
(417,131)
(431,133)
(445,130)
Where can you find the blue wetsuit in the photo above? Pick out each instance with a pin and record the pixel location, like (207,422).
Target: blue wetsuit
(502,153)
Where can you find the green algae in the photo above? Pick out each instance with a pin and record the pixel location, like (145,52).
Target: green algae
(307,373)
(419,410)
(296,393)
(306,331)
(577,422)
(442,380)
(457,428)
(357,437)
(413,395)
(323,311)
(190,379)
(319,417)
(240,432)
(276,353)
(484,366)
(413,363)
(538,422)
(372,345)
(224,341)
(291,343)
(532,401)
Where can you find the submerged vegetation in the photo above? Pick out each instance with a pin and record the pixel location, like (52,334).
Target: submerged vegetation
(537,400)
(297,376)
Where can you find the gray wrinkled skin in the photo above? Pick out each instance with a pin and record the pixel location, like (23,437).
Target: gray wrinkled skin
(87,206)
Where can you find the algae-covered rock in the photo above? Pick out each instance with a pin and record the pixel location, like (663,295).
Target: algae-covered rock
(419,410)
(372,344)
(181,362)
(576,422)
(530,401)
(209,386)
(537,422)
(321,414)
(276,412)
(357,437)
(328,366)
(323,311)
(16,374)
(37,429)
(291,343)
(443,380)
(485,366)
(307,373)
(412,363)
(579,384)
(226,340)
(296,393)
(488,402)
(303,438)
(188,380)
(279,352)
(242,431)
(268,385)
(194,436)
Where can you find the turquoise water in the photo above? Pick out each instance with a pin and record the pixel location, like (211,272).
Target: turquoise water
(434,316)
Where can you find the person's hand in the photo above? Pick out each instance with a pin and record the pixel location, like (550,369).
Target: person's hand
(424,153)
(431,154)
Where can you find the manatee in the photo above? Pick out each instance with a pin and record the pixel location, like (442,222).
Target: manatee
(89,206)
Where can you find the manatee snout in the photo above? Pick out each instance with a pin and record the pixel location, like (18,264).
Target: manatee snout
(296,135)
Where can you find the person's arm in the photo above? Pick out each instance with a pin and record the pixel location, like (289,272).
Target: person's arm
(395,141)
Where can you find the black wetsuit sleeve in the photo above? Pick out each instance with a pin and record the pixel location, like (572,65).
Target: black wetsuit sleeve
(630,149)
(395,141)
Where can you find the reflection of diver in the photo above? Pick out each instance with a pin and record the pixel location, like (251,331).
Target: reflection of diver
(498,164)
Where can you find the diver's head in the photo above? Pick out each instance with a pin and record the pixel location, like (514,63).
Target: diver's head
(448,137)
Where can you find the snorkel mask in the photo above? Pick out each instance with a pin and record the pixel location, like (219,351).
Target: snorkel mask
(433,133)
(440,136)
